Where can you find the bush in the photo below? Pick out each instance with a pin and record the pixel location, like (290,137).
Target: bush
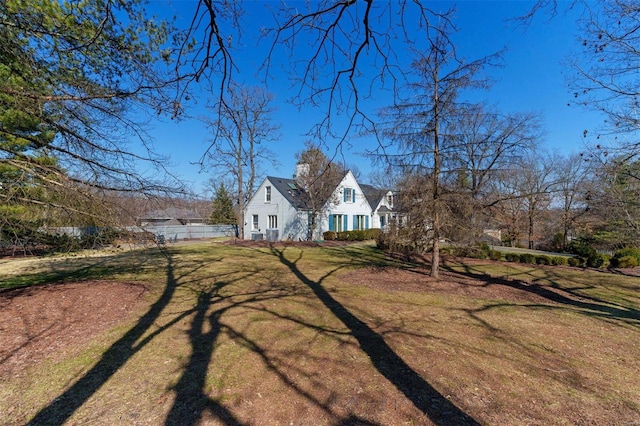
(329,235)
(361,235)
(543,259)
(512,257)
(598,261)
(559,260)
(495,255)
(582,247)
(474,252)
(527,258)
(633,252)
(447,250)
(575,261)
(627,262)
(372,234)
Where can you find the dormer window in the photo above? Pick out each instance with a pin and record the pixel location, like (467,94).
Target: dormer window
(390,200)
(349,195)
(267,194)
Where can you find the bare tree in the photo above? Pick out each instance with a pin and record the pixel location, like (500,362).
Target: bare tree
(239,144)
(422,127)
(508,206)
(574,178)
(483,143)
(608,77)
(319,177)
(526,192)
(487,141)
(333,43)
(607,80)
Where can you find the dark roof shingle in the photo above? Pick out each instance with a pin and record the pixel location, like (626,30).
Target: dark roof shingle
(290,190)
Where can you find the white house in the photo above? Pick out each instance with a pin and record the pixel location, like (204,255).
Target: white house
(348,209)
(381,202)
(279,210)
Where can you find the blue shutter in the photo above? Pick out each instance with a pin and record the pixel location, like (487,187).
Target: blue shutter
(355,221)
(346,222)
(366,222)
(344,195)
(332,224)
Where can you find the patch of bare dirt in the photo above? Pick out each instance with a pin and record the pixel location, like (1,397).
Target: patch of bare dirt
(56,319)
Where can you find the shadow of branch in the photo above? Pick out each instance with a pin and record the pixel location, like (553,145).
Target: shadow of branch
(62,408)
(425,397)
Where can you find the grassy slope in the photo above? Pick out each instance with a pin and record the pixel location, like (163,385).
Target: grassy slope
(240,335)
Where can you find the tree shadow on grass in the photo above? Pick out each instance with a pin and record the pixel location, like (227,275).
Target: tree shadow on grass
(562,295)
(425,397)
(62,408)
(192,401)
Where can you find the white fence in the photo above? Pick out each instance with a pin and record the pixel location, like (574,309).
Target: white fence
(171,233)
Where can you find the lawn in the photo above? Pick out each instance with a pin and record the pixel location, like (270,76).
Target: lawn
(226,334)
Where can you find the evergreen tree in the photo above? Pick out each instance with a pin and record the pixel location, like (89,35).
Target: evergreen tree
(74,77)
(222,208)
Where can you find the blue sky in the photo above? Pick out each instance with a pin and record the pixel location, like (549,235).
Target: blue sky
(532,79)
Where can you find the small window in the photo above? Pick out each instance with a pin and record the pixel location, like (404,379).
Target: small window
(349,195)
(254,223)
(273,222)
(390,200)
(267,194)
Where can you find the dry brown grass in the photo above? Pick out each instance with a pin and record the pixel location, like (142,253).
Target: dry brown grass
(313,335)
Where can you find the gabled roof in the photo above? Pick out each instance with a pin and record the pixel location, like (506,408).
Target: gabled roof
(299,198)
(291,191)
(373,195)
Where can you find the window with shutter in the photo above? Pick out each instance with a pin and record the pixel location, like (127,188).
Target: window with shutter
(349,195)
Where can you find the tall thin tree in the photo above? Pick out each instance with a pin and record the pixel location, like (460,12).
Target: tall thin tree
(421,127)
(239,145)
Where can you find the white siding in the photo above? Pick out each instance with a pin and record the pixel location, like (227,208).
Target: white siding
(291,224)
(337,205)
(376,217)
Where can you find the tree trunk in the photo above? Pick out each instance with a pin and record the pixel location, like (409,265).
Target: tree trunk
(531,230)
(240,183)
(435,255)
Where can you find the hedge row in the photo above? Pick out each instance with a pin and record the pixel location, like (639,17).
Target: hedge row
(483,251)
(364,235)
(624,258)
(540,259)
(597,260)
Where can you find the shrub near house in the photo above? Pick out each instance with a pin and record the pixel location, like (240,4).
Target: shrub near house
(364,235)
